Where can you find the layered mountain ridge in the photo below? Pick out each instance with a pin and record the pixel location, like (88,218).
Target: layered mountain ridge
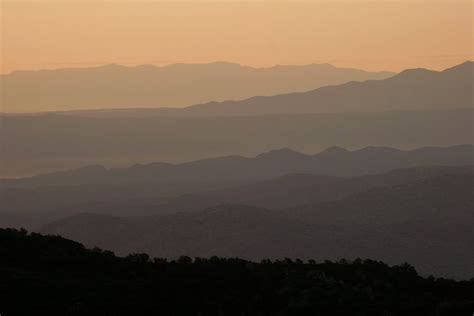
(178,85)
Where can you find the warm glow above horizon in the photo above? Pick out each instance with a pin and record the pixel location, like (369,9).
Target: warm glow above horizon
(371,35)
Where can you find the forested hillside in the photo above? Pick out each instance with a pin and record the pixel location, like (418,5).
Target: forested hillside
(47,275)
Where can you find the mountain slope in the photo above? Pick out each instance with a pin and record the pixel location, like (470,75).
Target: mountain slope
(409,90)
(114,86)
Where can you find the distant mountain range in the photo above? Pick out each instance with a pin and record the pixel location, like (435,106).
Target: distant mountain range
(413,89)
(44,143)
(427,222)
(237,169)
(281,178)
(409,90)
(114,86)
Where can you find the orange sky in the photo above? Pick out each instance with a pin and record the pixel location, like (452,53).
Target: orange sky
(372,35)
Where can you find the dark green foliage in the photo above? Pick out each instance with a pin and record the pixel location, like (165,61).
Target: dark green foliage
(49,275)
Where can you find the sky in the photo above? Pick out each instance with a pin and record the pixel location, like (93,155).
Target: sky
(370,35)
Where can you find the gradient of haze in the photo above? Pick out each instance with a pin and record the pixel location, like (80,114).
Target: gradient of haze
(370,35)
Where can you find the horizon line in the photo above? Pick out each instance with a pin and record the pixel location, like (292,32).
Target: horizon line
(92,65)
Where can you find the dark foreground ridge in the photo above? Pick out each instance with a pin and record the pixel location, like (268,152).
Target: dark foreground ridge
(50,275)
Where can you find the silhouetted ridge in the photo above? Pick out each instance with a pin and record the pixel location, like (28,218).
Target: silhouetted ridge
(83,172)
(467,66)
(283,153)
(417,73)
(231,170)
(333,151)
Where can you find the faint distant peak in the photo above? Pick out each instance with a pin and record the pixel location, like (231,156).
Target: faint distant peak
(315,65)
(111,66)
(415,73)
(333,150)
(422,72)
(86,170)
(215,64)
(327,66)
(281,153)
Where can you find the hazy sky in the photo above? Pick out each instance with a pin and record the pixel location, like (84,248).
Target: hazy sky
(372,35)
